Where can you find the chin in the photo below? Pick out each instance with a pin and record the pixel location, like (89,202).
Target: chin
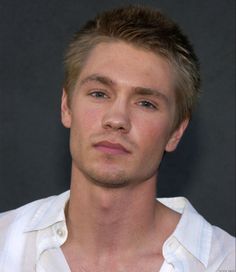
(109,180)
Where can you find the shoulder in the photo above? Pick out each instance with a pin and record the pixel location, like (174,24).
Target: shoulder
(221,238)
(14,238)
(222,249)
(15,221)
(210,245)
(19,230)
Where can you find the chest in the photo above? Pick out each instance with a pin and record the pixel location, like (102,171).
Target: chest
(144,264)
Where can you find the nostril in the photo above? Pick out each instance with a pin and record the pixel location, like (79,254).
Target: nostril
(118,125)
(117,118)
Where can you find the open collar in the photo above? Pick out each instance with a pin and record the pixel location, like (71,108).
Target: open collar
(49,213)
(193,232)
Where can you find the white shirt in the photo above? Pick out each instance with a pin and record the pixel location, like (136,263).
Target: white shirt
(31,236)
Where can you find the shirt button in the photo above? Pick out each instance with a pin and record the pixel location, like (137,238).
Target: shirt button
(173,244)
(60,232)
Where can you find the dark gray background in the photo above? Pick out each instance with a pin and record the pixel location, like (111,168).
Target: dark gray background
(34,157)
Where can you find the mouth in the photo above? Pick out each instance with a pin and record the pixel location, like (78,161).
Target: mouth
(111,148)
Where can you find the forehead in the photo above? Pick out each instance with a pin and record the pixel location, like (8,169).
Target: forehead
(129,66)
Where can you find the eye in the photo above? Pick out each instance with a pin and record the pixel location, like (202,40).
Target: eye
(147,104)
(98,94)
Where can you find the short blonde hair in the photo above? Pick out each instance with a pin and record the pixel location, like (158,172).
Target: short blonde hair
(148,29)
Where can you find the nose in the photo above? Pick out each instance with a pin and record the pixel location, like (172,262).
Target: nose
(117,118)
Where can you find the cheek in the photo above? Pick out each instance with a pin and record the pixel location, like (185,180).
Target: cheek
(84,123)
(86,119)
(152,134)
(152,137)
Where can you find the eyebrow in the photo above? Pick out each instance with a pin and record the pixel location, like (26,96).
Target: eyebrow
(152,92)
(137,90)
(98,78)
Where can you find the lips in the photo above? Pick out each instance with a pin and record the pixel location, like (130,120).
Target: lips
(111,148)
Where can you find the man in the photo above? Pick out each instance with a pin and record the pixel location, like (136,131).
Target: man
(131,82)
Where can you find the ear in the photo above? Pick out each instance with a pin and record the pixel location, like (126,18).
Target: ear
(176,136)
(65,110)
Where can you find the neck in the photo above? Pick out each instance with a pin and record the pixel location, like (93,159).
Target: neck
(111,220)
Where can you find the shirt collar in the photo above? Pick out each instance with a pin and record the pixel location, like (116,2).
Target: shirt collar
(193,232)
(49,213)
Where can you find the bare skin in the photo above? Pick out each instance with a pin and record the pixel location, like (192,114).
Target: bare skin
(119,132)
(118,231)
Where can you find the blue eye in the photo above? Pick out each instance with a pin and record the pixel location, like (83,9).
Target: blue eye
(147,104)
(98,94)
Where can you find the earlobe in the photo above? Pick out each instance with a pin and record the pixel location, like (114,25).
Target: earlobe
(176,136)
(65,110)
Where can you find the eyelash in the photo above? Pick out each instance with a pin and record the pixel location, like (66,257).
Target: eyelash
(144,103)
(148,104)
(98,94)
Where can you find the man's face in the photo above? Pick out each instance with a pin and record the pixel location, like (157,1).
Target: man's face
(121,115)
